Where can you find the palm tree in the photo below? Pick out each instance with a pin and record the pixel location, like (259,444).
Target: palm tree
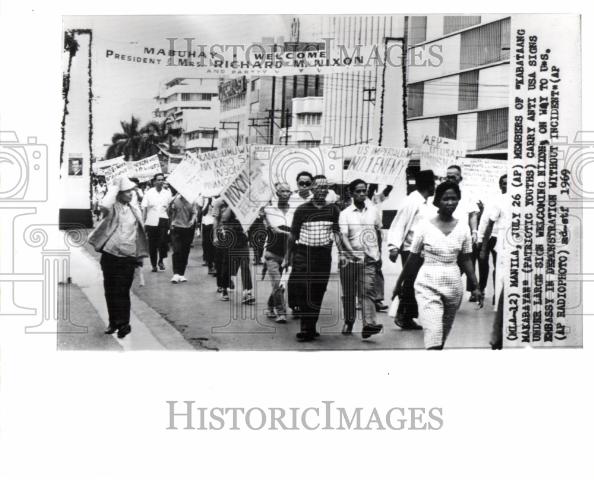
(156,137)
(127,142)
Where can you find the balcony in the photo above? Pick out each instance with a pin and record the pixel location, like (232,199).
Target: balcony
(308,105)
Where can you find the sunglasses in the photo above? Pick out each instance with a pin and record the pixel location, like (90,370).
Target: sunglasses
(304,184)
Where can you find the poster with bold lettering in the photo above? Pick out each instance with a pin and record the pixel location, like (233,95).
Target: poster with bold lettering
(248,192)
(386,165)
(438,153)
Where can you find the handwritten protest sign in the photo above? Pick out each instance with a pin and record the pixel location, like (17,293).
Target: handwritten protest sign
(145,168)
(207,174)
(101,164)
(283,163)
(111,169)
(437,153)
(248,192)
(481,177)
(374,164)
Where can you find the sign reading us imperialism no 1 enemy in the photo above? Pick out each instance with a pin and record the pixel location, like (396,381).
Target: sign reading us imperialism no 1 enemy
(374,164)
(207,174)
(438,153)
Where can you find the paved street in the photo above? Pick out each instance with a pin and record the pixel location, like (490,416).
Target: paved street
(190,315)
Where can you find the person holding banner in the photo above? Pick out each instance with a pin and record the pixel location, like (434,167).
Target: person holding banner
(183,216)
(360,254)
(309,253)
(121,239)
(154,206)
(400,236)
(446,245)
(278,221)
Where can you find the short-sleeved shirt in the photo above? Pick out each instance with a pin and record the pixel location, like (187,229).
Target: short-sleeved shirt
(156,204)
(360,227)
(182,212)
(313,226)
(439,248)
(275,217)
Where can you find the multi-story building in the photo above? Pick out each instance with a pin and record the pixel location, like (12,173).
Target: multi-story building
(256,109)
(305,130)
(463,96)
(191,105)
(353,107)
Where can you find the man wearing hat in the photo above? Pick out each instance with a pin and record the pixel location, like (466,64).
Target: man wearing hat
(414,208)
(121,239)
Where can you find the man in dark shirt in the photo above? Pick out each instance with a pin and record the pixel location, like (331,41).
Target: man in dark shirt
(315,225)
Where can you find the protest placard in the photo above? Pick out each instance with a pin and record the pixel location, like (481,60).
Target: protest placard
(207,174)
(386,165)
(145,168)
(283,163)
(248,192)
(101,164)
(480,177)
(111,169)
(437,153)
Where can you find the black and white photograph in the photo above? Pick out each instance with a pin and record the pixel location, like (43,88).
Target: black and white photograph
(328,182)
(232,236)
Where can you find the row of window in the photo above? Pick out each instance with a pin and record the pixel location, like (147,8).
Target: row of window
(491,132)
(417,26)
(309,118)
(468,94)
(197,97)
(206,134)
(478,46)
(233,102)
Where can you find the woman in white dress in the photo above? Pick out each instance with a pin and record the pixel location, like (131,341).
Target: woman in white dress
(441,246)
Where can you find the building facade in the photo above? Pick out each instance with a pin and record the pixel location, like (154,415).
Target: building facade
(191,105)
(306,129)
(463,95)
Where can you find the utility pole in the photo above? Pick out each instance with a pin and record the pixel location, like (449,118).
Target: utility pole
(235,127)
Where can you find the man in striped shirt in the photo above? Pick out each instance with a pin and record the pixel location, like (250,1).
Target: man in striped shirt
(315,225)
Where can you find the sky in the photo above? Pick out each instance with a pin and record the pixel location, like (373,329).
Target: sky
(122,89)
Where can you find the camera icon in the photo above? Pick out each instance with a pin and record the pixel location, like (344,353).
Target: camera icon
(284,163)
(576,161)
(23,169)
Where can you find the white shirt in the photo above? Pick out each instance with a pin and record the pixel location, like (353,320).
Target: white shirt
(156,204)
(275,217)
(414,209)
(360,227)
(466,206)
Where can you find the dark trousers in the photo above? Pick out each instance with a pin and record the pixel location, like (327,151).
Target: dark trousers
(484,264)
(229,261)
(208,249)
(308,280)
(157,240)
(475,256)
(118,273)
(407,308)
(181,239)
